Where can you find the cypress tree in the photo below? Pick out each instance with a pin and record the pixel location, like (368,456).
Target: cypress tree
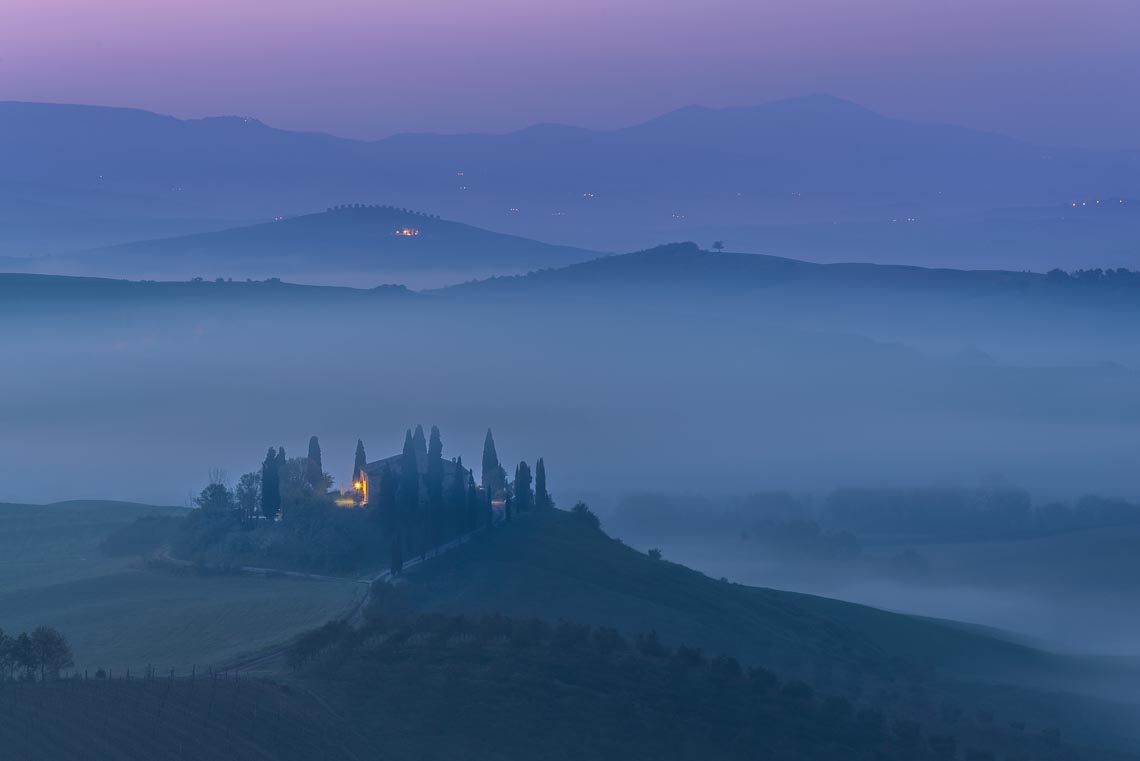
(388,512)
(524,497)
(360,461)
(474,512)
(434,481)
(409,492)
(491,468)
(314,469)
(541,496)
(420,442)
(315,452)
(270,485)
(456,502)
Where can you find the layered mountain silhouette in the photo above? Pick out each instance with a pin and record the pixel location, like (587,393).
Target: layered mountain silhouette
(690,173)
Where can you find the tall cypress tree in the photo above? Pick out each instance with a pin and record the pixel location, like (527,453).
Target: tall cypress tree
(524,497)
(314,468)
(474,506)
(420,442)
(270,485)
(456,501)
(541,496)
(491,468)
(388,512)
(409,494)
(360,461)
(434,482)
(315,452)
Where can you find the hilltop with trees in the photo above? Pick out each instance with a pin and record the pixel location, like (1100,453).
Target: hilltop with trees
(286,515)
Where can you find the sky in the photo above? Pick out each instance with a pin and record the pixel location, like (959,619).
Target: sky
(1043,70)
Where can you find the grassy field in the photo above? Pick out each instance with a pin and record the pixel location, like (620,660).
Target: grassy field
(117,614)
(180,719)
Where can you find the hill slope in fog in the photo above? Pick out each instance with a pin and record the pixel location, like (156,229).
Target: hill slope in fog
(360,244)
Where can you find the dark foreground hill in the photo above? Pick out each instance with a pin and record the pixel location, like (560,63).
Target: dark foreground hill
(440,687)
(554,567)
(358,243)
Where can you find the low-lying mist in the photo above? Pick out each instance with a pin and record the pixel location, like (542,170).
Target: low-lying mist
(1059,575)
(140,399)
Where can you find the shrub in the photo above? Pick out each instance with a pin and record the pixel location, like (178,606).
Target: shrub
(608,640)
(585,515)
(529,633)
(648,644)
(836,709)
(762,679)
(568,635)
(690,655)
(725,667)
(798,691)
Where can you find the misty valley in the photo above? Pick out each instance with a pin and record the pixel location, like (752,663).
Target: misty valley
(689,413)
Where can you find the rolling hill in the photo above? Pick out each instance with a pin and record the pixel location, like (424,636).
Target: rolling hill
(695,668)
(350,245)
(553,566)
(694,172)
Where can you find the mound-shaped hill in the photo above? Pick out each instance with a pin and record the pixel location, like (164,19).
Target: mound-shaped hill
(359,240)
(687,267)
(683,272)
(553,566)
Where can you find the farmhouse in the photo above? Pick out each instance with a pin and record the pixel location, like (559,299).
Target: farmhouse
(368,482)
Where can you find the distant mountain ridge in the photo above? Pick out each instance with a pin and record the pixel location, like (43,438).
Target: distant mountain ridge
(813,159)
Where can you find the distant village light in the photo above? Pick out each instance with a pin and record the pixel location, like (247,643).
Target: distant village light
(407,232)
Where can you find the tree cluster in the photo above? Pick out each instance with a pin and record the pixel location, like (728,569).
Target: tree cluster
(39,655)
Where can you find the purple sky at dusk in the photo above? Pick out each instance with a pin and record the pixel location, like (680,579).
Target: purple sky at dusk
(1051,71)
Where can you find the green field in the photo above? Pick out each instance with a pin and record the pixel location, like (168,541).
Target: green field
(116,614)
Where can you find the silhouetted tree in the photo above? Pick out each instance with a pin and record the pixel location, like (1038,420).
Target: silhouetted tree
(215,498)
(420,442)
(358,462)
(456,501)
(541,495)
(491,467)
(51,651)
(7,656)
(524,497)
(508,508)
(582,512)
(434,482)
(316,468)
(24,655)
(409,491)
(270,485)
(248,495)
(474,513)
(718,246)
